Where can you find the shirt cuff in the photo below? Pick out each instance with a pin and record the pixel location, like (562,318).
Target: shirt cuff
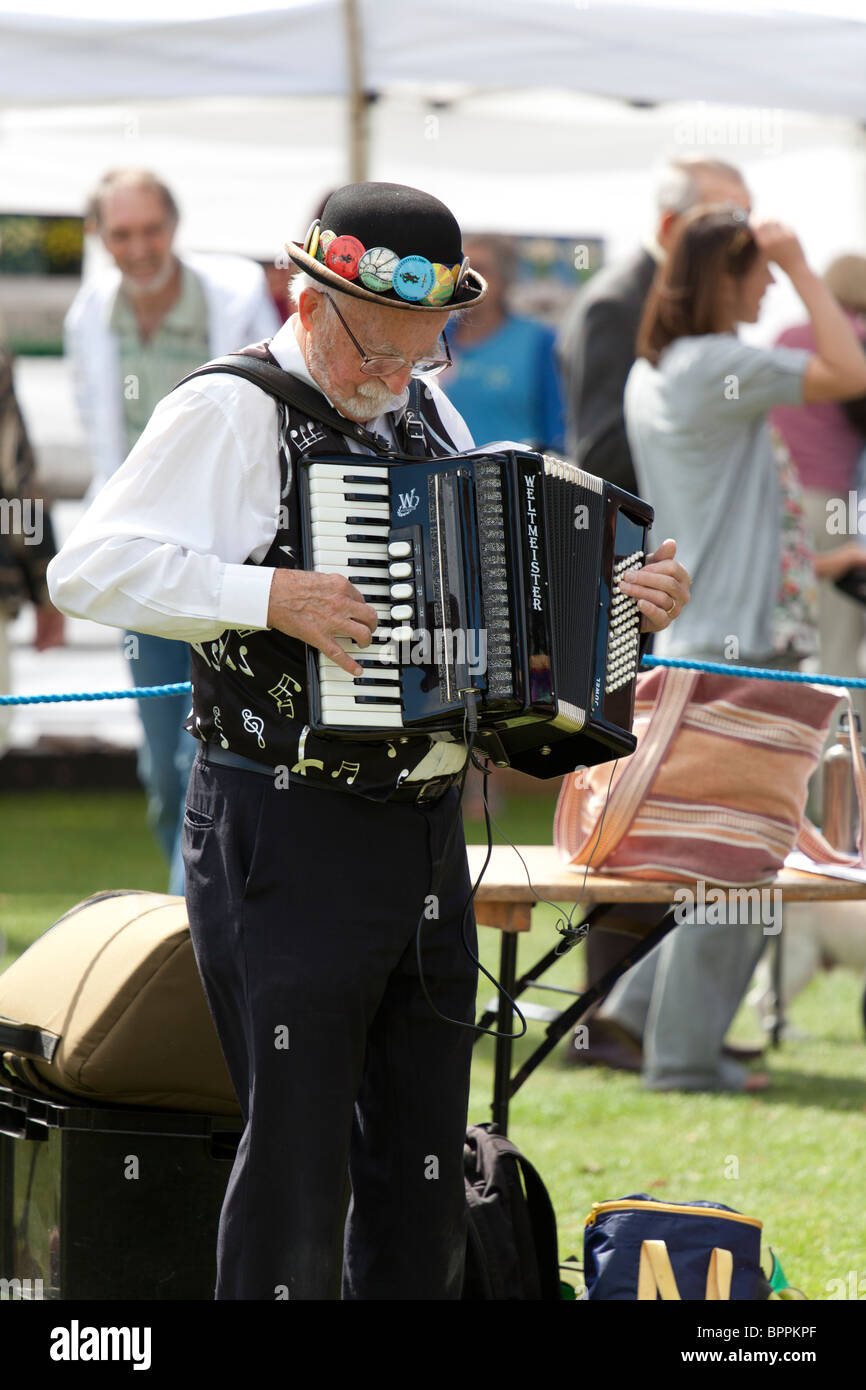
(245,595)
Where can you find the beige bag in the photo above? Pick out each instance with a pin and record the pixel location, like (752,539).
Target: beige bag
(108,1005)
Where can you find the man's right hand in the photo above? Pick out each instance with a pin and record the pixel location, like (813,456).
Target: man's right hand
(319,608)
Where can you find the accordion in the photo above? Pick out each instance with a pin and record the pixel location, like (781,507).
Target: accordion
(493,572)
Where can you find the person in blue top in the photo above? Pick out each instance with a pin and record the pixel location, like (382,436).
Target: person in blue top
(505,380)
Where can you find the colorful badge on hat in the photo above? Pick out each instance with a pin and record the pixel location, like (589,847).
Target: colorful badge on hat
(413,278)
(443,285)
(311,240)
(343,256)
(376,268)
(325,239)
(459,272)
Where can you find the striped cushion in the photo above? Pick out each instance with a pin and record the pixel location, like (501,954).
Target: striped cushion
(717,786)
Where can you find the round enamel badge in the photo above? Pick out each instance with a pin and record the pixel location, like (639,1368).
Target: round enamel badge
(343,255)
(376,268)
(414,278)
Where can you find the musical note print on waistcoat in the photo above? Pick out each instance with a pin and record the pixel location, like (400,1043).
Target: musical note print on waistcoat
(218,726)
(285,448)
(308,435)
(280,692)
(245,667)
(392,751)
(253,724)
(354,768)
(403,775)
(203,654)
(303,763)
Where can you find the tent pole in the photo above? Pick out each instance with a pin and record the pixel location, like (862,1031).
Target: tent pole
(357,106)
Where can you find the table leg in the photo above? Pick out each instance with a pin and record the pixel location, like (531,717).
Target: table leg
(778,1002)
(504,1025)
(557,1030)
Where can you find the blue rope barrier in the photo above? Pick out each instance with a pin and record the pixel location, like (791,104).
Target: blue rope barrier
(757,672)
(716,667)
(183,688)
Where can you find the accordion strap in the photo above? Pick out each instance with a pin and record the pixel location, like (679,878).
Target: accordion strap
(289,389)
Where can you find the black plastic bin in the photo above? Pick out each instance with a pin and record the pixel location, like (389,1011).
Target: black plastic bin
(105,1202)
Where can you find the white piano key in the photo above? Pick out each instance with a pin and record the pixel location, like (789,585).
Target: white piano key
(365,717)
(317,471)
(332,691)
(360,550)
(356,573)
(343,532)
(334,487)
(331,509)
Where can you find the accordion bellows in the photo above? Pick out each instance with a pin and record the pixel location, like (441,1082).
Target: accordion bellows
(716,788)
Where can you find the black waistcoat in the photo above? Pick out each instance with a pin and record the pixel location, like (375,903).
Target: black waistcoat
(249,686)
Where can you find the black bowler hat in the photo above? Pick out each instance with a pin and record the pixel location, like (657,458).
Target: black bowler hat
(390,244)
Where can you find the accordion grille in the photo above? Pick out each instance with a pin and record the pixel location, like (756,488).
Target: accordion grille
(494,580)
(573,516)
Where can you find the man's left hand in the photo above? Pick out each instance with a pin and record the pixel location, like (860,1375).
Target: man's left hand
(661,588)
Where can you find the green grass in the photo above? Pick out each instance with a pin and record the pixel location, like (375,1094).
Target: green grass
(792,1156)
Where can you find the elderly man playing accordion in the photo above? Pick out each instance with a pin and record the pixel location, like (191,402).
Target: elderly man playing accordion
(309,860)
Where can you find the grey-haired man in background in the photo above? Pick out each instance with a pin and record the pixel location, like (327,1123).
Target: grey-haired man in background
(596,345)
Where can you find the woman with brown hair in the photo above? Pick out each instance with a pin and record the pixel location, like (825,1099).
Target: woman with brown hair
(696,403)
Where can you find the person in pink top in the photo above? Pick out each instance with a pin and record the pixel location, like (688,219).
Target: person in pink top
(825,449)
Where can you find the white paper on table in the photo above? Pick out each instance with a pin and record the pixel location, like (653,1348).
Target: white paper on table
(796,860)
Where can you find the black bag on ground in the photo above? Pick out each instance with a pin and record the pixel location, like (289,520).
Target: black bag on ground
(511,1249)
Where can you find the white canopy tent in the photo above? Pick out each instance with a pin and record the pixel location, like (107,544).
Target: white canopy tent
(797,55)
(515,113)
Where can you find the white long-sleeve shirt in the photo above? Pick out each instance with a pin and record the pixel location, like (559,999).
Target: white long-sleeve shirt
(162,547)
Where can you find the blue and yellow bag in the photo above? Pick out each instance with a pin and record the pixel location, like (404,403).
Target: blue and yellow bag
(640,1248)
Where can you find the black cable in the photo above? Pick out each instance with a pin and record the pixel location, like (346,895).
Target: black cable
(572,934)
(470,728)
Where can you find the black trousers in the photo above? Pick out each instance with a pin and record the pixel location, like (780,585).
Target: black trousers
(303,905)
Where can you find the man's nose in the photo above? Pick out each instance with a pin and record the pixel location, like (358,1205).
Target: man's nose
(398,381)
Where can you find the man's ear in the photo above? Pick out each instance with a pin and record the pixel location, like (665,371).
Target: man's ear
(310,304)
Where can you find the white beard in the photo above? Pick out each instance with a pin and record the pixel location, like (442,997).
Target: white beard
(367,402)
(135,288)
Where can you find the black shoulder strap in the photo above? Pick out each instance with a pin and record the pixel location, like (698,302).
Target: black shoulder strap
(27,1040)
(289,389)
(543,1220)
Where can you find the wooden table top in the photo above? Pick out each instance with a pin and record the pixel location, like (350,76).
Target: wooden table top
(506,881)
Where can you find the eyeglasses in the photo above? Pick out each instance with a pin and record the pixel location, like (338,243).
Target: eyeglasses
(386,366)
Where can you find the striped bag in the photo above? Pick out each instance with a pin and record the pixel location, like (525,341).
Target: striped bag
(716,788)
